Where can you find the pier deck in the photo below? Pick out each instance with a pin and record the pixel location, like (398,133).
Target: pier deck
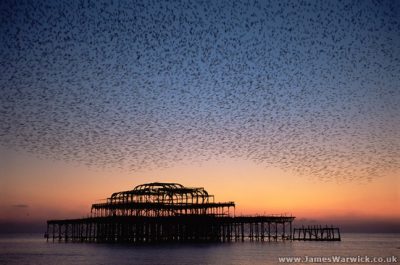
(193,228)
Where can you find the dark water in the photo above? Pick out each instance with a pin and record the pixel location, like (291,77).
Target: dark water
(33,249)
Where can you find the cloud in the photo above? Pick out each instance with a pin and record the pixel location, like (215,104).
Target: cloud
(20,206)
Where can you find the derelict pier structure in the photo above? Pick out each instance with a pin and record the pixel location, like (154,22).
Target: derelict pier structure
(168,212)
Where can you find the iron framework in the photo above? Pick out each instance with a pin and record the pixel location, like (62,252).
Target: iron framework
(168,212)
(161,199)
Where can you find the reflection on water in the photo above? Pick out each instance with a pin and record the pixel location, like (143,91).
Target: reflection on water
(33,249)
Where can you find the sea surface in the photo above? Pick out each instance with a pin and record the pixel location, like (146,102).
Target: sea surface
(33,249)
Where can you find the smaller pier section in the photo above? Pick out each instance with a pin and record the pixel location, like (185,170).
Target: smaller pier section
(316,233)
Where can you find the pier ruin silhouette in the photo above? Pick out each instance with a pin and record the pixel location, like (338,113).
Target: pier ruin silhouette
(169,212)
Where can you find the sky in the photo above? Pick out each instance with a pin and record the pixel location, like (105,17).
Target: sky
(281,106)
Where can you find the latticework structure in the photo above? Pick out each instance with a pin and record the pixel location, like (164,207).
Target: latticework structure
(167,212)
(162,199)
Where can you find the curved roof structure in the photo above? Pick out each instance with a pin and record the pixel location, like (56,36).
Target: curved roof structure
(159,198)
(163,189)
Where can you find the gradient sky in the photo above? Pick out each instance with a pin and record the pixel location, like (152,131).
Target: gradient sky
(282,106)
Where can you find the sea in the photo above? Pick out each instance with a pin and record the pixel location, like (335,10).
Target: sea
(32,249)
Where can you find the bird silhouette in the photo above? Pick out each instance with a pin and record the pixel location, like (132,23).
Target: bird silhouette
(309,87)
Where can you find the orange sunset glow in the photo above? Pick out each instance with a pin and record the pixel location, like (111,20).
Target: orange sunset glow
(254,188)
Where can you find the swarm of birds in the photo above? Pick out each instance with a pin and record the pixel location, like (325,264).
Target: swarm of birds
(306,86)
